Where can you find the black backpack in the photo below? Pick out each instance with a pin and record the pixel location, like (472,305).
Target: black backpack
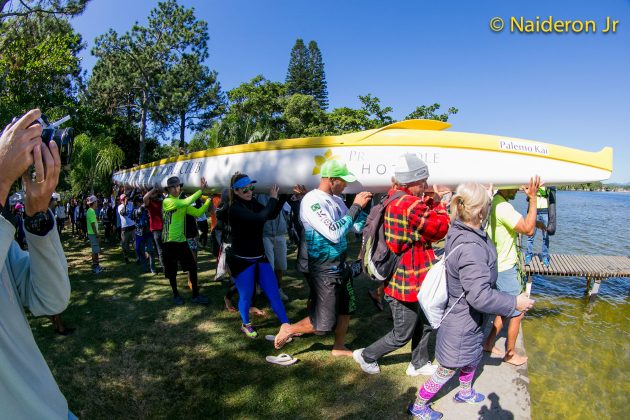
(378,261)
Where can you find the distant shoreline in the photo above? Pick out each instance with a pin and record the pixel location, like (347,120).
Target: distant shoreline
(611,191)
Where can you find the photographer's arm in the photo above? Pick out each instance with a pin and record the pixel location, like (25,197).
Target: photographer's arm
(40,275)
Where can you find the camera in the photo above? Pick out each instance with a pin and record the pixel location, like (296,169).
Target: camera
(64,137)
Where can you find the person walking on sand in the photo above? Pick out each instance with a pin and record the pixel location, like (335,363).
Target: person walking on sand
(327,221)
(504,225)
(471,272)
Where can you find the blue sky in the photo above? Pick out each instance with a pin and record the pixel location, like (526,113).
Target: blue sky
(569,89)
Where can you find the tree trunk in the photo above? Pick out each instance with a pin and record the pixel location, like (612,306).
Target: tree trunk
(182,130)
(143,126)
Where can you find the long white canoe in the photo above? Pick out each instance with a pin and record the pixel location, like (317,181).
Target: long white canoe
(452,157)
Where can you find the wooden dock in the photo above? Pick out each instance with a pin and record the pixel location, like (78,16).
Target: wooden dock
(594,268)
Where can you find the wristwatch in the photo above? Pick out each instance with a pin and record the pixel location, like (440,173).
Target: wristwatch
(40,223)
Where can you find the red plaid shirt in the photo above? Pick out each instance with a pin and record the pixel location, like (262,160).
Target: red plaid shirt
(410,225)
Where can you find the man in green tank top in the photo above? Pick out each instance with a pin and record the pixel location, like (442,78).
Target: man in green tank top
(175,246)
(542,220)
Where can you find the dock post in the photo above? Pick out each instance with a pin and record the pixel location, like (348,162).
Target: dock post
(595,289)
(588,286)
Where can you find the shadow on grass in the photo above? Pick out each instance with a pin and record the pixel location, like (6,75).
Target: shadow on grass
(136,355)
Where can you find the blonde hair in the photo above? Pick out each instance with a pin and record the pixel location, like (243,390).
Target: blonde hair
(470,203)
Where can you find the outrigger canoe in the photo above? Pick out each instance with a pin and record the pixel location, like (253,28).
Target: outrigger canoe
(452,157)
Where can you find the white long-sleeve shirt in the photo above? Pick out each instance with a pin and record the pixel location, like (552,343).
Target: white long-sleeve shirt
(37,280)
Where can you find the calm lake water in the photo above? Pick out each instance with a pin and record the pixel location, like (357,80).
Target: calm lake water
(579,353)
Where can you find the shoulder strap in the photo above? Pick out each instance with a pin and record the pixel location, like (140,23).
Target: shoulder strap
(394,196)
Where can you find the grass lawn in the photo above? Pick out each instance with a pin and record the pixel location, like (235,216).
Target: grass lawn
(136,355)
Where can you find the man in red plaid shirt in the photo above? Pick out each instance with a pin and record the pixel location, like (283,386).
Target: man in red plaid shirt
(411,223)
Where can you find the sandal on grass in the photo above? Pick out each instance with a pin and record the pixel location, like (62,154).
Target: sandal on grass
(282,359)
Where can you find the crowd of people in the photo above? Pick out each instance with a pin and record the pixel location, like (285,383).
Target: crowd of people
(165,225)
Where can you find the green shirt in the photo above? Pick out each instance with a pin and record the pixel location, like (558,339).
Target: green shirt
(90,216)
(503,219)
(542,198)
(174,211)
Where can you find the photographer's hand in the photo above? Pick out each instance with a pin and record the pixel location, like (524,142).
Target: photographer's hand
(47,167)
(16,149)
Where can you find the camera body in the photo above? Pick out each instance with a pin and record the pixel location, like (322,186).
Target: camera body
(64,137)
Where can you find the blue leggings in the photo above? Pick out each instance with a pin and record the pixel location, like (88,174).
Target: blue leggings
(245,282)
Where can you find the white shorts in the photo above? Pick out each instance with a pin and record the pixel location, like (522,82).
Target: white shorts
(276,251)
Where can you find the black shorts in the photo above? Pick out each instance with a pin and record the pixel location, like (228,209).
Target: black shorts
(330,296)
(174,252)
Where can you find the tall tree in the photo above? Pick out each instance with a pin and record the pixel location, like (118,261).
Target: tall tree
(318,86)
(255,112)
(93,161)
(131,67)
(27,8)
(191,96)
(39,66)
(303,116)
(298,78)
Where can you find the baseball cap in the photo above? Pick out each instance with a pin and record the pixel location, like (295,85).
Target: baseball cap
(335,169)
(410,168)
(91,199)
(122,196)
(243,182)
(173,182)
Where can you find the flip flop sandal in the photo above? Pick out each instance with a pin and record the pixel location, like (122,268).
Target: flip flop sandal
(272,338)
(282,359)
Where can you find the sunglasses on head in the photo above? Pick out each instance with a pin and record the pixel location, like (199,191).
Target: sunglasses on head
(246,189)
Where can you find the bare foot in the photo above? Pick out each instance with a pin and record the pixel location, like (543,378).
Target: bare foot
(254,310)
(282,336)
(516,359)
(228,305)
(494,350)
(340,351)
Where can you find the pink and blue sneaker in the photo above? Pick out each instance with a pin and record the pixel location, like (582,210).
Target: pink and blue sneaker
(473,398)
(424,412)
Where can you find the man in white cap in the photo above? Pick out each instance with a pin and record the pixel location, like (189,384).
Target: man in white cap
(412,222)
(92,232)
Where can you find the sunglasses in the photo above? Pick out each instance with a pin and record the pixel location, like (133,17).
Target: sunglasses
(246,189)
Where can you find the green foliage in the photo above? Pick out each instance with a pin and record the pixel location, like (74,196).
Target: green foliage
(304,117)
(39,8)
(190,95)
(318,85)
(39,67)
(254,113)
(346,120)
(305,74)
(429,112)
(131,67)
(298,73)
(92,163)
(377,116)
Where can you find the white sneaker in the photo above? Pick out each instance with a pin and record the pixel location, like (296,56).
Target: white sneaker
(371,368)
(426,370)
(283,295)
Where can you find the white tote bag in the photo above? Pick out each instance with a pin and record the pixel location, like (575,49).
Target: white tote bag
(222,265)
(433,294)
